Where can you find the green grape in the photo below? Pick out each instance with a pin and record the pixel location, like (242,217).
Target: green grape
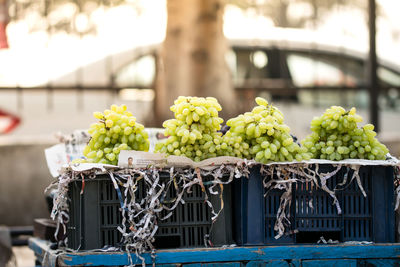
(336,136)
(329,150)
(306,156)
(259,155)
(265,144)
(277,143)
(333,124)
(99,154)
(261,101)
(86,150)
(92,154)
(264,136)
(332,137)
(97,145)
(337,143)
(110,156)
(123,146)
(113,133)
(193,131)
(288,141)
(364,143)
(284,151)
(127,130)
(98,115)
(109,123)
(273,148)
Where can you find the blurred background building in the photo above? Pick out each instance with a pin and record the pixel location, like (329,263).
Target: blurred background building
(59,56)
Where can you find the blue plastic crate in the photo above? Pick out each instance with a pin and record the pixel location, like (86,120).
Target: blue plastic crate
(95,216)
(368,218)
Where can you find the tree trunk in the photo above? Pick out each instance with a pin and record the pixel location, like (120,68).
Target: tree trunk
(4,18)
(193,56)
(283,20)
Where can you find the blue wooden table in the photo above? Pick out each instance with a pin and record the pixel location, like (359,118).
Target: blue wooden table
(296,255)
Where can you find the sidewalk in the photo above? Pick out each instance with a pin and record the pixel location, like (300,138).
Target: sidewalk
(24,256)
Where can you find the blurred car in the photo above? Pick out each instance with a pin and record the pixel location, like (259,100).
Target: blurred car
(277,65)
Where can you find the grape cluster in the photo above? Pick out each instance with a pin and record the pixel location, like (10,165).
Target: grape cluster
(335,136)
(194,131)
(262,135)
(116,130)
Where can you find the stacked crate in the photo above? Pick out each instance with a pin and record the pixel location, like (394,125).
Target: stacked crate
(96,214)
(369,218)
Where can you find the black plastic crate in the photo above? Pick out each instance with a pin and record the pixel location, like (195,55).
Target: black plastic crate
(95,216)
(368,218)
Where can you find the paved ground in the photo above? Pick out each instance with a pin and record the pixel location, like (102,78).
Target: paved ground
(24,256)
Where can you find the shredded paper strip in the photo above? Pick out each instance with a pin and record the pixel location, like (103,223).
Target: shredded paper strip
(140,216)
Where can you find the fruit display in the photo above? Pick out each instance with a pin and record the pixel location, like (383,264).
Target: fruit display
(259,135)
(262,135)
(194,132)
(116,130)
(336,136)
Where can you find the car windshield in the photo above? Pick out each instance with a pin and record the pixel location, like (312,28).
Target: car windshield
(388,77)
(248,64)
(309,70)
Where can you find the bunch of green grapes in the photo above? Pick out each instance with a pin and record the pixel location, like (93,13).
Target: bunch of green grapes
(262,135)
(116,130)
(335,136)
(194,131)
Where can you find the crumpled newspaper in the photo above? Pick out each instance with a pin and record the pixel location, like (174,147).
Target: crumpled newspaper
(70,148)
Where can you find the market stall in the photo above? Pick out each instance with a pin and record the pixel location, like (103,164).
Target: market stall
(203,194)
